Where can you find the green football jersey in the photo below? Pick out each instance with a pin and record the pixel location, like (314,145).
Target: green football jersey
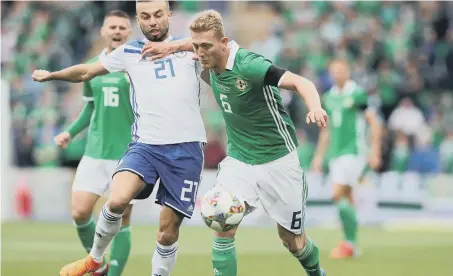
(258,128)
(346,119)
(110,128)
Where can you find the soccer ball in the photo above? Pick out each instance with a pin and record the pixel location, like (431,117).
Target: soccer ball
(221,211)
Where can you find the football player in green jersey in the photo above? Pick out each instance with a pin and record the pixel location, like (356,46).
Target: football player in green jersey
(262,165)
(109,115)
(347,106)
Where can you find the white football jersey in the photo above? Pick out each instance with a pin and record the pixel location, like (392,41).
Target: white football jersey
(165,94)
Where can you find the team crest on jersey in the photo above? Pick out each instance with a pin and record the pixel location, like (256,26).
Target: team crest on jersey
(180,54)
(241,84)
(348,102)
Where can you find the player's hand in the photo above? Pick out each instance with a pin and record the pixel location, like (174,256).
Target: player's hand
(316,164)
(40,75)
(62,140)
(157,50)
(318,116)
(374,161)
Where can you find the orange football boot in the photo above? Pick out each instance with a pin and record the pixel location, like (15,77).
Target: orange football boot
(80,267)
(342,251)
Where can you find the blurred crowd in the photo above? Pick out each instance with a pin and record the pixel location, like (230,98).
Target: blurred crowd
(400,52)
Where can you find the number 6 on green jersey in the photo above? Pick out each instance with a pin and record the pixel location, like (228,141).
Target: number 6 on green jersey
(226,106)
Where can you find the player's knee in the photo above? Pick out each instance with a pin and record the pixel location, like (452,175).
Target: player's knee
(127,216)
(81,214)
(293,242)
(341,192)
(230,234)
(118,204)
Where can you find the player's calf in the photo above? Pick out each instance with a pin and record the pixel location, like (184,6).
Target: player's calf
(121,245)
(81,208)
(164,257)
(125,186)
(342,195)
(304,249)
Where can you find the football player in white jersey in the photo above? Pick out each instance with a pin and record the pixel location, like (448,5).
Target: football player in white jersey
(168,135)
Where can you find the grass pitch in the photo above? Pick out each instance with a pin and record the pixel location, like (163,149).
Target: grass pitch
(42,249)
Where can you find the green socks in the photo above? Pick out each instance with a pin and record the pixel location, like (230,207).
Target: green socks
(224,261)
(309,258)
(119,251)
(86,234)
(348,218)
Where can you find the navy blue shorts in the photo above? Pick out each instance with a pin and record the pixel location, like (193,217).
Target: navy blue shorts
(178,167)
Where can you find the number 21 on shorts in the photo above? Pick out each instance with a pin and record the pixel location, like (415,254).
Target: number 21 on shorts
(189,191)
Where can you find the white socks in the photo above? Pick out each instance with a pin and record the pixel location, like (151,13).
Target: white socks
(107,227)
(164,259)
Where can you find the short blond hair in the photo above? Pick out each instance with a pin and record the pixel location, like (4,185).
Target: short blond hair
(209,20)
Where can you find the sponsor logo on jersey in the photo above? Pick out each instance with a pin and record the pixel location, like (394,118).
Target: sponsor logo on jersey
(110,80)
(222,87)
(241,84)
(190,209)
(217,272)
(114,263)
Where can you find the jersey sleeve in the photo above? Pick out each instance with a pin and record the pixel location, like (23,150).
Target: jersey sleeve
(256,67)
(361,99)
(87,92)
(114,61)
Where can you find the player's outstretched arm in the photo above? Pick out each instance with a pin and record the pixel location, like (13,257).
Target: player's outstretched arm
(158,50)
(76,73)
(376,138)
(309,93)
(83,121)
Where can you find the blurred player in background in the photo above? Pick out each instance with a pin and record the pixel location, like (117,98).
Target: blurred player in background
(262,164)
(168,136)
(347,106)
(109,114)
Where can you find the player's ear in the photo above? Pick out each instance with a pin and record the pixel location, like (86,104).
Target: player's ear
(224,40)
(102,31)
(169,17)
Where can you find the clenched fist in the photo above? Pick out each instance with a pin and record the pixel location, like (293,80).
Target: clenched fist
(40,75)
(62,140)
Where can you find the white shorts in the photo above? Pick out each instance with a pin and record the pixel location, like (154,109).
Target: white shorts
(279,187)
(94,175)
(346,169)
